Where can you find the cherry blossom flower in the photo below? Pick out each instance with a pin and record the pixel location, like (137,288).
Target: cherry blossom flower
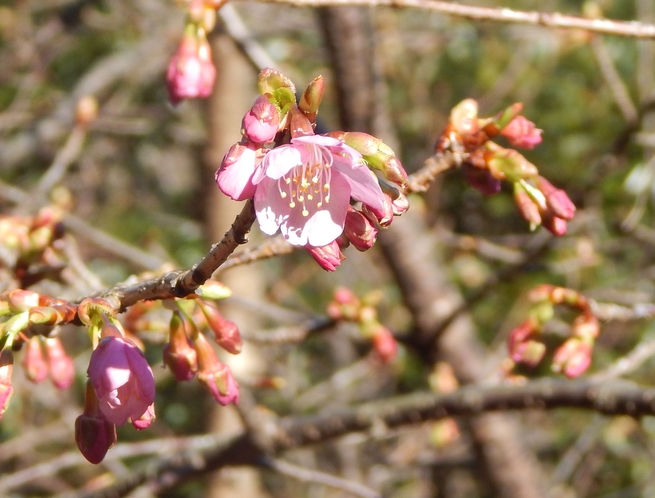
(304,189)
(122,379)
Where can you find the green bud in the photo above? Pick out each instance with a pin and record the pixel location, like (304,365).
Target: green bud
(270,80)
(312,97)
(213,289)
(507,164)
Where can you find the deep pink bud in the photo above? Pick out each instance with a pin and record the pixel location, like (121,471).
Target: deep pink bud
(36,368)
(573,357)
(557,200)
(555,225)
(383,216)
(481,179)
(234,177)
(178,354)
(6,388)
(122,379)
(522,346)
(214,375)
(191,72)
(145,420)
(385,344)
(522,133)
(62,368)
(328,257)
(260,124)
(225,331)
(94,434)
(359,230)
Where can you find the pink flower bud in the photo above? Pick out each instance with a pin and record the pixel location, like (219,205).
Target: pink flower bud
(6,388)
(225,331)
(36,368)
(191,72)
(328,257)
(522,346)
(557,200)
(383,216)
(573,357)
(481,179)
(178,354)
(234,177)
(214,375)
(555,225)
(145,420)
(385,344)
(522,133)
(260,124)
(94,434)
(526,206)
(62,368)
(585,327)
(122,379)
(359,230)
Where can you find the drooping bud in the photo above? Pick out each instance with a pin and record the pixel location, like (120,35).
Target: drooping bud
(145,420)
(225,331)
(6,388)
(94,434)
(62,368)
(526,206)
(191,72)
(178,354)
(382,217)
(214,375)
(556,226)
(260,124)
(311,98)
(234,177)
(359,230)
(36,368)
(557,200)
(328,257)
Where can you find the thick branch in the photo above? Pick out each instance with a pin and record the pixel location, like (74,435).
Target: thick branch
(630,29)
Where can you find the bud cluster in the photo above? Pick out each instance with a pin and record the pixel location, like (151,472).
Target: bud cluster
(302,183)
(28,241)
(573,356)
(485,163)
(346,306)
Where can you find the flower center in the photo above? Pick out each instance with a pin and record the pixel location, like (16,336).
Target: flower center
(308,184)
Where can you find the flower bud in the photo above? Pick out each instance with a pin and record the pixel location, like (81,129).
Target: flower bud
(178,354)
(214,375)
(299,125)
(464,117)
(21,300)
(481,179)
(522,346)
(145,420)
(62,368)
(269,80)
(359,230)
(383,216)
(507,164)
(213,289)
(557,200)
(311,98)
(385,344)
(522,133)
(36,368)
(225,331)
(86,110)
(555,225)
(6,388)
(260,124)
(191,72)
(328,257)
(573,357)
(234,177)
(528,209)
(94,434)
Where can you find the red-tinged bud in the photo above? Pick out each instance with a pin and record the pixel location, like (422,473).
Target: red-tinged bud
(464,117)
(555,225)
(385,344)
(270,80)
(6,388)
(234,177)
(260,124)
(507,164)
(146,419)
(586,327)
(21,300)
(399,205)
(394,171)
(191,72)
(94,434)
(299,125)
(345,306)
(214,375)
(62,368)
(178,354)
(213,289)
(573,357)
(311,99)
(528,209)
(557,200)
(328,257)
(481,179)
(505,117)
(225,331)
(522,133)
(36,368)
(86,110)
(383,216)
(359,230)
(522,346)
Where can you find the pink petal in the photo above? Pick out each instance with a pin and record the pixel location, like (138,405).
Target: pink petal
(270,208)
(363,184)
(279,161)
(235,174)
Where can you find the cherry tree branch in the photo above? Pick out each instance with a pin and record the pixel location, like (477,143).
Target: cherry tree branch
(630,29)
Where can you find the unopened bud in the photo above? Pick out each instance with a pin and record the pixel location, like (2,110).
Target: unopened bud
(464,117)
(260,124)
(311,98)
(359,230)
(6,388)
(225,331)
(328,257)
(62,368)
(213,289)
(385,344)
(557,200)
(383,216)
(299,125)
(522,133)
(178,354)
(522,346)
(94,434)
(528,209)
(230,177)
(214,375)
(573,357)
(145,420)
(507,164)
(555,225)
(270,80)
(21,300)
(86,110)
(36,368)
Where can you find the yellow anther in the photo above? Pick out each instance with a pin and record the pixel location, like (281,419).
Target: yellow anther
(305,212)
(292,204)
(283,194)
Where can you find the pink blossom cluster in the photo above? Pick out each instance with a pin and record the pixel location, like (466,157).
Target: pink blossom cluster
(302,184)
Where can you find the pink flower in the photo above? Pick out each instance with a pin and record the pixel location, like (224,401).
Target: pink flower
(261,122)
(522,132)
(304,189)
(122,379)
(191,72)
